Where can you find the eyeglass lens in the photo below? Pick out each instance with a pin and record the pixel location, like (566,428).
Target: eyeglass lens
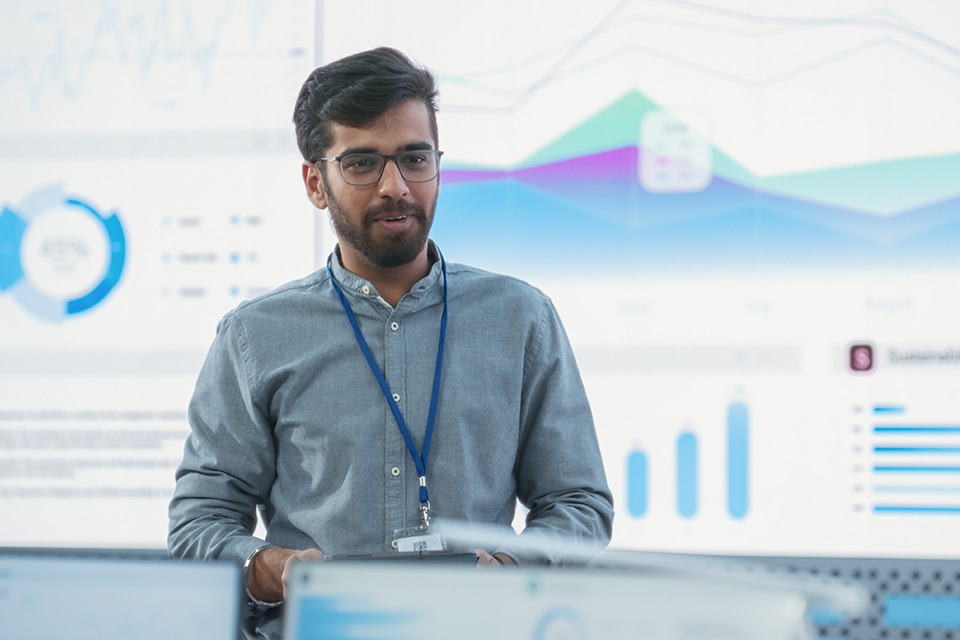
(365,168)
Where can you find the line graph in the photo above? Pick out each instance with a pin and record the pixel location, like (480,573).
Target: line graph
(517,98)
(95,66)
(142,40)
(886,20)
(876,29)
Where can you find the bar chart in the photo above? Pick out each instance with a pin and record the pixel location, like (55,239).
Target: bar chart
(688,456)
(915,463)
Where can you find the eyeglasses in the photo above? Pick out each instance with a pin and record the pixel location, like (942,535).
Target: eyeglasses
(362,169)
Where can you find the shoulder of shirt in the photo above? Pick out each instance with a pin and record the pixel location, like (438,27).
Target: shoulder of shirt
(279,295)
(516,299)
(506,284)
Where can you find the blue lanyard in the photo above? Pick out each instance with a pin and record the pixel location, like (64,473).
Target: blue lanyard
(419,460)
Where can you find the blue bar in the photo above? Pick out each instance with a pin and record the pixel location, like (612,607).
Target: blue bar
(889,508)
(687,475)
(911,489)
(737,459)
(950,469)
(887,410)
(823,617)
(637,484)
(936,612)
(916,449)
(917,429)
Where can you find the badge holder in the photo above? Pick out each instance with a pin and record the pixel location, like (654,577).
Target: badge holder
(421,538)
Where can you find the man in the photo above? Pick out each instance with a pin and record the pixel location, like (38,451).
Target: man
(353,405)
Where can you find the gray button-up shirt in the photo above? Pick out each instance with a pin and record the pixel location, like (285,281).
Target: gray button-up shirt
(287,415)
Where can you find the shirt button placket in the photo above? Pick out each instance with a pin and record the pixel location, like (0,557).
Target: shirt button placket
(394,370)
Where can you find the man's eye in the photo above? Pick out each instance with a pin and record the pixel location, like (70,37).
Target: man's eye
(414,159)
(362,163)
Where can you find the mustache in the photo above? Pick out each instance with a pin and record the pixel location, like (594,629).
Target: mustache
(393,210)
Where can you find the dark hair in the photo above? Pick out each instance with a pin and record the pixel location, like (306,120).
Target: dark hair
(357,90)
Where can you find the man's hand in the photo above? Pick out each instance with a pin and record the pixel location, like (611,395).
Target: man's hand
(495,560)
(269,573)
(307,555)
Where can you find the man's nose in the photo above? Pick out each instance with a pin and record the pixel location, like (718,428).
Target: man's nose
(392,183)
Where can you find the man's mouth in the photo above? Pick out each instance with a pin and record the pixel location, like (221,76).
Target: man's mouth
(397,222)
(398,214)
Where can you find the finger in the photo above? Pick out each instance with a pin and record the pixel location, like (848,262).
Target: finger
(485,559)
(312,555)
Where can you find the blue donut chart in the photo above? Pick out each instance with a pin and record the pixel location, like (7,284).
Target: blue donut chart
(117,258)
(13,226)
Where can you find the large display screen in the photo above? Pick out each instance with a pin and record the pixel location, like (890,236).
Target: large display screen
(747,214)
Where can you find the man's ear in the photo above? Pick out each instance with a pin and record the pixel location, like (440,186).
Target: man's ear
(314,185)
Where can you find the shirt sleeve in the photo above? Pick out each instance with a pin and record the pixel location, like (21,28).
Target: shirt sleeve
(228,462)
(559,470)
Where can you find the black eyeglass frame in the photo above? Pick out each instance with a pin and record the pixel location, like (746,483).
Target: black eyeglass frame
(339,160)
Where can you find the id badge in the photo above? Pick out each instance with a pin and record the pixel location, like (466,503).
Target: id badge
(418,540)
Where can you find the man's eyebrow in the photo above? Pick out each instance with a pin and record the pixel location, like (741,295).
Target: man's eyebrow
(418,146)
(347,152)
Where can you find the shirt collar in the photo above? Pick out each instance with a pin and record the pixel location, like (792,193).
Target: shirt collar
(348,281)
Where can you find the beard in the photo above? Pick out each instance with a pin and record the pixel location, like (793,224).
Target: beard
(393,251)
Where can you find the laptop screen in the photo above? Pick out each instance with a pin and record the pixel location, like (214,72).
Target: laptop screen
(60,597)
(391,601)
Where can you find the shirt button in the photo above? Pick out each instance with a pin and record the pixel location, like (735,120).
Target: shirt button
(366,289)
(393,543)
(394,326)
(396,397)
(395,471)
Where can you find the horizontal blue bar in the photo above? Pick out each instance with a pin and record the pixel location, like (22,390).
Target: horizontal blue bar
(936,612)
(920,428)
(914,489)
(916,449)
(884,508)
(825,617)
(884,469)
(889,410)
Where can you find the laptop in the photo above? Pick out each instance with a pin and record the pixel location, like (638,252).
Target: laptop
(99,596)
(427,601)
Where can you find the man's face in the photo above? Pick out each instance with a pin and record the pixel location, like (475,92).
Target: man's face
(385,223)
